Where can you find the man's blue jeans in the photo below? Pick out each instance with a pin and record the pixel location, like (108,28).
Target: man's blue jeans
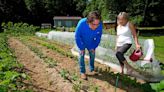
(82,61)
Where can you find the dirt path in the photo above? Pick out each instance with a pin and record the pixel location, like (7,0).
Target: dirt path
(43,79)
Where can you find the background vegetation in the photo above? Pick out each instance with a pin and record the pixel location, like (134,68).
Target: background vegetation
(142,12)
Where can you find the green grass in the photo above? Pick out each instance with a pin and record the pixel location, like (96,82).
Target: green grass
(159,46)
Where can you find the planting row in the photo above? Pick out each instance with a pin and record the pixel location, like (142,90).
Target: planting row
(11,75)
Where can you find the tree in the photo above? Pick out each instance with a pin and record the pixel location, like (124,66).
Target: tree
(13,10)
(99,5)
(142,12)
(147,12)
(45,10)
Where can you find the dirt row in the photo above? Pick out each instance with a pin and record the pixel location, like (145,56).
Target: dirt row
(43,79)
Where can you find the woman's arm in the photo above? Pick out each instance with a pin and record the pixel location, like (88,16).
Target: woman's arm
(133,30)
(116,38)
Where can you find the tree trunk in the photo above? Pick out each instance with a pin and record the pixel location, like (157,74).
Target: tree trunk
(145,12)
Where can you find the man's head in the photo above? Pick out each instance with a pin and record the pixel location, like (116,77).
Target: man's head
(122,18)
(93,19)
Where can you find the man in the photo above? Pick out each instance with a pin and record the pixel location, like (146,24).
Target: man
(88,35)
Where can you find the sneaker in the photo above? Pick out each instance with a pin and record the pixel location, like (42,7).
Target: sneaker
(84,76)
(93,73)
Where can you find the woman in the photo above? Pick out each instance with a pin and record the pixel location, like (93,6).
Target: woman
(125,31)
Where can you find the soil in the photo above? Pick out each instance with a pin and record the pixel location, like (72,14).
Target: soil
(42,78)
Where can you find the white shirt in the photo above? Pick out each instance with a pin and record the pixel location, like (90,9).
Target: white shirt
(124,35)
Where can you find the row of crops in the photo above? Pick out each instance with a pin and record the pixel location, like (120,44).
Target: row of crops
(11,75)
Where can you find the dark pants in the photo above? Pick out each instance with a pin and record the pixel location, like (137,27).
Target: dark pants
(121,50)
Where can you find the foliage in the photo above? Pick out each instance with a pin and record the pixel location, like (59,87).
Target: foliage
(136,20)
(142,12)
(19,28)
(10,78)
(13,10)
(158,87)
(43,11)
(45,30)
(100,5)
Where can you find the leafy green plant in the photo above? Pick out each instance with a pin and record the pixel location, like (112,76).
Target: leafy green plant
(93,88)
(158,87)
(17,29)
(51,62)
(75,77)
(45,30)
(77,86)
(64,73)
(10,76)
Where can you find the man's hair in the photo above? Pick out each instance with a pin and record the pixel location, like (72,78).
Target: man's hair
(124,14)
(93,16)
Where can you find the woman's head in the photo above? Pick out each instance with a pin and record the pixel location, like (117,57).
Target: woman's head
(122,18)
(93,19)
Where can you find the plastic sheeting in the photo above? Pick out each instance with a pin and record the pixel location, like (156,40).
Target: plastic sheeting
(105,53)
(41,34)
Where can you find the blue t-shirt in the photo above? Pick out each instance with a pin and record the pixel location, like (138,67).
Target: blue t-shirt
(86,37)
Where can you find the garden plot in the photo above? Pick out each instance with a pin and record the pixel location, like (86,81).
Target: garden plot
(43,78)
(105,54)
(66,64)
(68,68)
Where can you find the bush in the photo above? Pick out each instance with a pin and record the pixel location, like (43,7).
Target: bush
(19,28)
(137,20)
(45,30)
(11,75)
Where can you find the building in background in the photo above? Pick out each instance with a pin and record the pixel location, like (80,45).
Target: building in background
(109,24)
(66,21)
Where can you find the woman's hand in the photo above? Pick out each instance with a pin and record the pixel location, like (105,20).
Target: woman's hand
(138,46)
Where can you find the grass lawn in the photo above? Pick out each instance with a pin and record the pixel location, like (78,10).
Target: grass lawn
(159,46)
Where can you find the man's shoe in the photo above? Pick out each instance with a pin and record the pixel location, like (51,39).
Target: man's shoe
(84,76)
(93,73)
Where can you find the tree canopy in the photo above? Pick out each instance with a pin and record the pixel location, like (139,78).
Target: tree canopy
(142,12)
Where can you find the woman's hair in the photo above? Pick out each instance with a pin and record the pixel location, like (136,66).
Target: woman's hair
(93,16)
(124,14)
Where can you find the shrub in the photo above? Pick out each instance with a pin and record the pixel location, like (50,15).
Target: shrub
(19,28)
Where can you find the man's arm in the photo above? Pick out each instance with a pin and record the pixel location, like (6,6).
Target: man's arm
(78,39)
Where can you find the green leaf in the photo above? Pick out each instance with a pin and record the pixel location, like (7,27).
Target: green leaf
(12,86)
(5,82)
(11,75)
